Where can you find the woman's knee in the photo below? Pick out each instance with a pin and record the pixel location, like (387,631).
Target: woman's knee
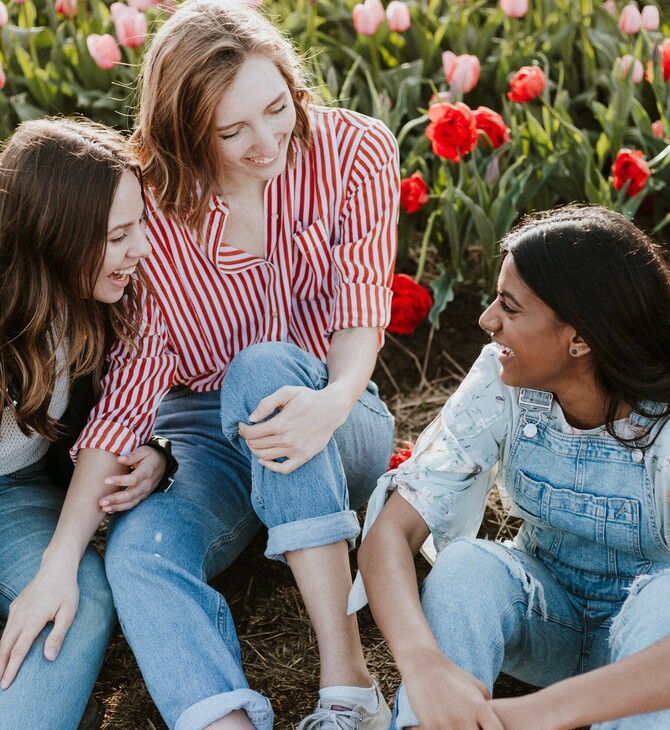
(644,618)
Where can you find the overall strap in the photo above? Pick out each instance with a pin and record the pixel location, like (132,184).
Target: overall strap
(534,404)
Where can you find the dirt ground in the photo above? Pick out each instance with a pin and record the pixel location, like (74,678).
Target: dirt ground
(415,375)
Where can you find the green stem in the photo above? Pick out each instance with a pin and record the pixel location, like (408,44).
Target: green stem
(424,246)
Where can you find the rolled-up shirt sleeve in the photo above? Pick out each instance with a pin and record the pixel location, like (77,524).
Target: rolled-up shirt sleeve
(454,461)
(365,255)
(138,376)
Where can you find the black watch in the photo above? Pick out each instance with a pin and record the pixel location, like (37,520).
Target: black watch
(165,447)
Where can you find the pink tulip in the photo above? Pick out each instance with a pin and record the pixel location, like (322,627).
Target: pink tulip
(630,20)
(365,19)
(461,72)
(657,129)
(610,7)
(68,8)
(140,5)
(650,17)
(376,7)
(104,50)
(514,8)
(2,77)
(4,15)
(397,16)
(130,25)
(19,2)
(637,68)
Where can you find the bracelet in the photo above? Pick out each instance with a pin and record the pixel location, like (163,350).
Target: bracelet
(165,447)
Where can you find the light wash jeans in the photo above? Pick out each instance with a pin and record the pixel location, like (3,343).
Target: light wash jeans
(49,695)
(586,583)
(161,554)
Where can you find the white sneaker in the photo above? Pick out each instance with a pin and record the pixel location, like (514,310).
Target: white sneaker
(339,715)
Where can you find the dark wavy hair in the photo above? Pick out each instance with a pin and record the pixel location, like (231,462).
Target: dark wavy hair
(603,276)
(58,179)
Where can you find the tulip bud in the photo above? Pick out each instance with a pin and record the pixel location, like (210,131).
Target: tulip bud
(650,17)
(610,7)
(657,129)
(632,69)
(514,8)
(630,20)
(365,19)
(4,15)
(397,16)
(104,50)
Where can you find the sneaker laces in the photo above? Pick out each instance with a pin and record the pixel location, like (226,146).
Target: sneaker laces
(339,719)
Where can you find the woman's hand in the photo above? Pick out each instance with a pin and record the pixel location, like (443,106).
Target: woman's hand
(52,595)
(304,423)
(442,695)
(147,467)
(525,713)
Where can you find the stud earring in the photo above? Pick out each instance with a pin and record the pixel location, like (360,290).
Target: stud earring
(573,352)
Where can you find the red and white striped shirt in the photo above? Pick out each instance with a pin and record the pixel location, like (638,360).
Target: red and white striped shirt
(330,243)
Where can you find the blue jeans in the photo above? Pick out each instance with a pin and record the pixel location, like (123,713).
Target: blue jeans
(48,695)
(586,583)
(161,554)
(493,609)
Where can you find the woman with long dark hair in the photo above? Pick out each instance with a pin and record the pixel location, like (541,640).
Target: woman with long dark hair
(567,411)
(72,234)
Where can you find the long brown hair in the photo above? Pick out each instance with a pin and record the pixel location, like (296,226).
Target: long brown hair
(193,58)
(58,178)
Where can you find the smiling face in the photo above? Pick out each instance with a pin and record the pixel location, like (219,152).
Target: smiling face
(126,241)
(255,119)
(535,346)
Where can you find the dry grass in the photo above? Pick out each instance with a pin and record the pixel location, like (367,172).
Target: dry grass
(278,644)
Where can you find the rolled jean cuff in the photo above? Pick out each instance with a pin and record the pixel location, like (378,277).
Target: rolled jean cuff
(312,532)
(403,715)
(207,711)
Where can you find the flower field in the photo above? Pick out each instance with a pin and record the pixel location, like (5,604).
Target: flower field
(500,108)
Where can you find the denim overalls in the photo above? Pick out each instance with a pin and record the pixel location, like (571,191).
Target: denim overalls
(567,596)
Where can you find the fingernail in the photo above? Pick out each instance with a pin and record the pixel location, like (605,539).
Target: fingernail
(109,481)
(104,503)
(50,654)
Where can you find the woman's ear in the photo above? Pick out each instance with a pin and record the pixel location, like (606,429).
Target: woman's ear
(578,347)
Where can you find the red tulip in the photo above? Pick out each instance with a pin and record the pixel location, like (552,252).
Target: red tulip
(514,8)
(486,120)
(650,17)
(630,20)
(527,83)
(630,165)
(452,130)
(413,193)
(104,50)
(410,304)
(397,16)
(657,129)
(130,25)
(665,58)
(401,455)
